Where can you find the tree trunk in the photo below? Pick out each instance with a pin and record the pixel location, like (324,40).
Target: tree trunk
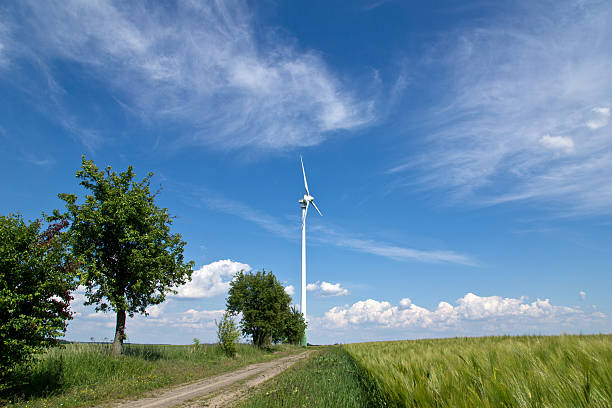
(119,333)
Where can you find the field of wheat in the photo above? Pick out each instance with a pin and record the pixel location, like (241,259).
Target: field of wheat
(528,371)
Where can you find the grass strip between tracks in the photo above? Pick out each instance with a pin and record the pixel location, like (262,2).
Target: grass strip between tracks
(327,379)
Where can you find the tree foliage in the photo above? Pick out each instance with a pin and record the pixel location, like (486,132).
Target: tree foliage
(228,334)
(37,274)
(295,326)
(130,259)
(262,300)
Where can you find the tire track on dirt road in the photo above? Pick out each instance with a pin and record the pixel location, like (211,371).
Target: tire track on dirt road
(213,385)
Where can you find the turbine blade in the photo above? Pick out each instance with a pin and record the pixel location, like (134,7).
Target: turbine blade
(304,173)
(317,208)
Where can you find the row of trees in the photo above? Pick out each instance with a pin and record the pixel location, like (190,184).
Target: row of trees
(116,243)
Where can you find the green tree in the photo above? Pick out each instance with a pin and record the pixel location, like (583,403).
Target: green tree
(37,274)
(129,258)
(228,334)
(262,300)
(295,326)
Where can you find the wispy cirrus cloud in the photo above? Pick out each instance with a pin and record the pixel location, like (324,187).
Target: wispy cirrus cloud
(526,118)
(333,236)
(201,65)
(238,209)
(351,241)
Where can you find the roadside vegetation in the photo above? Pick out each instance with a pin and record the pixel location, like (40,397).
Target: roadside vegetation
(85,374)
(267,316)
(527,371)
(328,379)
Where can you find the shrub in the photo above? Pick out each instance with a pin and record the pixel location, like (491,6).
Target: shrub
(295,326)
(228,334)
(36,276)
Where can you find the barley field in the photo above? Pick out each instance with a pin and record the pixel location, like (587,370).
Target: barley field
(527,371)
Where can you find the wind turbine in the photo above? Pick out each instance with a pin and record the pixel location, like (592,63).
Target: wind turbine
(304,204)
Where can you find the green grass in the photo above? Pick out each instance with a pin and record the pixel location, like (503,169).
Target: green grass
(329,379)
(86,374)
(534,371)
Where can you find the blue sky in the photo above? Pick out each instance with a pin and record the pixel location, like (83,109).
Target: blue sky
(461,153)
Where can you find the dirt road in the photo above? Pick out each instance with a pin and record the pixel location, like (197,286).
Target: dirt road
(217,391)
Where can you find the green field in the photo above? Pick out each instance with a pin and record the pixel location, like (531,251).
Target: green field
(534,371)
(529,371)
(329,379)
(86,374)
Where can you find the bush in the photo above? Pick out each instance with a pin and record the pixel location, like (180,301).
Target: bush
(228,334)
(295,326)
(36,276)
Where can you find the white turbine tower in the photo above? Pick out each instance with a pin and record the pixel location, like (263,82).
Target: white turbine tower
(304,204)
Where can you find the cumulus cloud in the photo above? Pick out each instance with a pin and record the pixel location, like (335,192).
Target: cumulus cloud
(290,290)
(405,303)
(523,88)
(311,287)
(156,311)
(468,309)
(326,289)
(211,280)
(197,319)
(206,66)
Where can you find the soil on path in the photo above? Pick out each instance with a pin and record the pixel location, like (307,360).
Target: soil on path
(234,382)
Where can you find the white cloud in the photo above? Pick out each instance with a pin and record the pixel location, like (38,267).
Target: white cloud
(326,289)
(290,290)
(582,295)
(405,302)
(311,287)
(540,70)
(203,65)
(211,280)
(4,38)
(602,116)
(332,289)
(558,142)
(468,309)
(156,311)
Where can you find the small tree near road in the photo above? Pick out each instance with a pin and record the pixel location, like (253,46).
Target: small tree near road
(37,275)
(295,326)
(263,302)
(128,256)
(228,334)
